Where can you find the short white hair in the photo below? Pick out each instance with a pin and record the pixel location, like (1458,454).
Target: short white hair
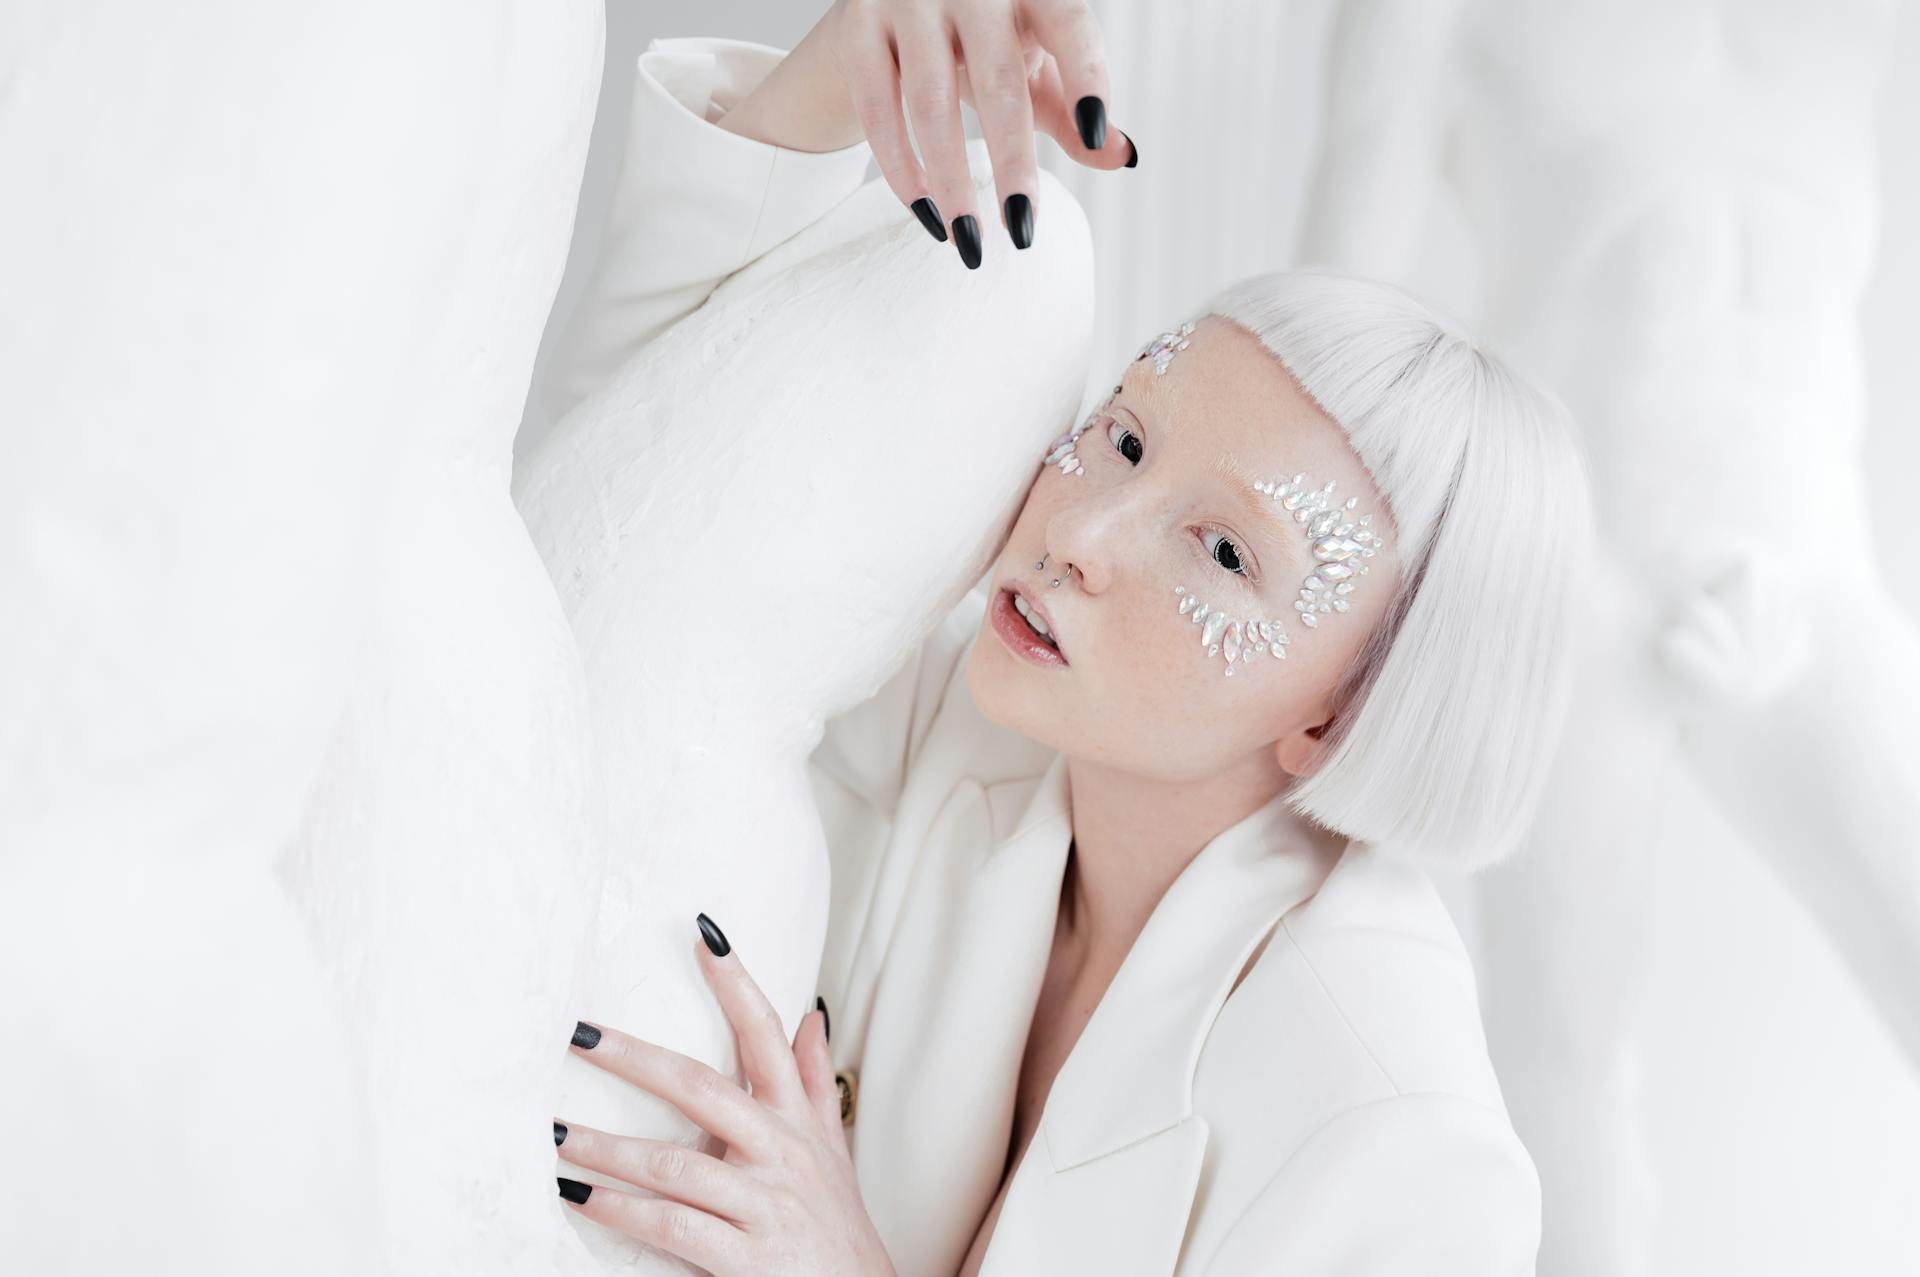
(1446,723)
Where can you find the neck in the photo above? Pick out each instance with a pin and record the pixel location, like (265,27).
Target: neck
(1132,837)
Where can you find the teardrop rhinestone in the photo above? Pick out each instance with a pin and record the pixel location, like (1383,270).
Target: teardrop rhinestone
(1309,619)
(1186,604)
(1211,634)
(1335,571)
(1341,605)
(1233,641)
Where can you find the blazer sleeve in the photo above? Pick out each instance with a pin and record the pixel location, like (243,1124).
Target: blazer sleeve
(692,204)
(870,748)
(1427,1183)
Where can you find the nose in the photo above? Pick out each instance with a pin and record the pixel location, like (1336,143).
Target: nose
(1097,535)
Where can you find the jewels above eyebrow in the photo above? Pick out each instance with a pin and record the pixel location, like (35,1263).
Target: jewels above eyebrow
(1164,347)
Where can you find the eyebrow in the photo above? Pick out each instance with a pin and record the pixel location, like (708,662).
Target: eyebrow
(1270,515)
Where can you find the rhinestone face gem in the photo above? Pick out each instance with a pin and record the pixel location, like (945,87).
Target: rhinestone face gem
(1340,545)
(1234,638)
(1163,348)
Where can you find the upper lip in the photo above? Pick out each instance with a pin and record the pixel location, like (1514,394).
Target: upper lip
(1033,601)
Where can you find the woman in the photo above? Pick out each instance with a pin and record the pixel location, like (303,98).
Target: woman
(1141,974)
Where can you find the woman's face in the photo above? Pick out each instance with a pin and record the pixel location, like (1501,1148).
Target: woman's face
(1162,496)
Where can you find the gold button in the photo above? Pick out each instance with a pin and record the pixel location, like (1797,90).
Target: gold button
(849,1083)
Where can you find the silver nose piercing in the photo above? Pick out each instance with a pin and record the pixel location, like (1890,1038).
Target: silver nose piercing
(1043,563)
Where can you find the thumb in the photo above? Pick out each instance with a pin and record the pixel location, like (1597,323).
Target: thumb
(815,1063)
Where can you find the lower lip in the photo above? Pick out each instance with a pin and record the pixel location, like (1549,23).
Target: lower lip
(1016,634)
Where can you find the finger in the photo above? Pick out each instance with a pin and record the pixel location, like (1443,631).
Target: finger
(816,1072)
(674,1227)
(1053,116)
(761,1039)
(997,75)
(866,55)
(671,1170)
(1067,30)
(933,107)
(709,1098)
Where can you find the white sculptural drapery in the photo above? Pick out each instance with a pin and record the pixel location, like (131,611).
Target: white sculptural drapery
(293,856)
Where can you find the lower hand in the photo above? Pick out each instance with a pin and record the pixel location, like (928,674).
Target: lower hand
(784,1198)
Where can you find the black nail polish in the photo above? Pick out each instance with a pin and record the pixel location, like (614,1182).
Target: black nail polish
(1020,219)
(826,1021)
(716,941)
(966,238)
(573,1190)
(929,214)
(559,1134)
(1133,153)
(1090,113)
(585,1036)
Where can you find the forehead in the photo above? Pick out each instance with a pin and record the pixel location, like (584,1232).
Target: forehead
(1227,402)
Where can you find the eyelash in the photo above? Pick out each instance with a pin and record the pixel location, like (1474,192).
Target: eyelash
(1239,557)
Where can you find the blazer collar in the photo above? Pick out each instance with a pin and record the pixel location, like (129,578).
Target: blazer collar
(956,995)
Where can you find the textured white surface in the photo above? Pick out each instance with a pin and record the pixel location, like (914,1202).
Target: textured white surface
(279,665)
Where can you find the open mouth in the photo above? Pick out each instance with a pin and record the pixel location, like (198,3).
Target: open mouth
(1024,631)
(1034,623)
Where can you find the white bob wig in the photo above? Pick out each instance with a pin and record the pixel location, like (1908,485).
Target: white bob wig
(1446,723)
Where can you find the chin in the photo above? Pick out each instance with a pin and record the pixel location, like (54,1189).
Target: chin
(1001,695)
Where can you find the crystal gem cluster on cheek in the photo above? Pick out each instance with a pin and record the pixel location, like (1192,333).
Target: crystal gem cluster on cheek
(1162,349)
(1340,545)
(1236,639)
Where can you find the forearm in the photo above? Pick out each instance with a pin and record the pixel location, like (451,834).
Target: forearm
(803,104)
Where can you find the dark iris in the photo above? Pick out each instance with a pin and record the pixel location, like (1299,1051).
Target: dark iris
(1232,554)
(1133,457)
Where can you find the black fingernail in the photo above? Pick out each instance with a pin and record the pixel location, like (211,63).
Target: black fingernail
(1020,219)
(929,214)
(559,1134)
(1090,113)
(715,940)
(1133,153)
(966,238)
(826,1021)
(573,1190)
(585,1036)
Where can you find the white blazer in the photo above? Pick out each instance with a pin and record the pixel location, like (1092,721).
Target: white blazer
(1288,1072)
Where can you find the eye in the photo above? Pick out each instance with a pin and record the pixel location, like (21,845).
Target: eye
(1226,554)
(1132,457)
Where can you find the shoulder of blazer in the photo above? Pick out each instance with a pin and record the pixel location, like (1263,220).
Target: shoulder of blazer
(1364,990)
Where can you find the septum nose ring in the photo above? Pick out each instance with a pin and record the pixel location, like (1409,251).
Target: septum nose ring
(1043,563)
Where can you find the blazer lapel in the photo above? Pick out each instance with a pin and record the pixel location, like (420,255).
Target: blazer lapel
(1110,1178)
(1110,1183)
(951,1009)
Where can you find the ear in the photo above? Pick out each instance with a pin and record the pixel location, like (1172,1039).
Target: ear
(1302,752)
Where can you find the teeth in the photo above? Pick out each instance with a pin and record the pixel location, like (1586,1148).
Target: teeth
(1032,617)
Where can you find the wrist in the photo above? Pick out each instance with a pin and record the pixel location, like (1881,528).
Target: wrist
(803,104)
